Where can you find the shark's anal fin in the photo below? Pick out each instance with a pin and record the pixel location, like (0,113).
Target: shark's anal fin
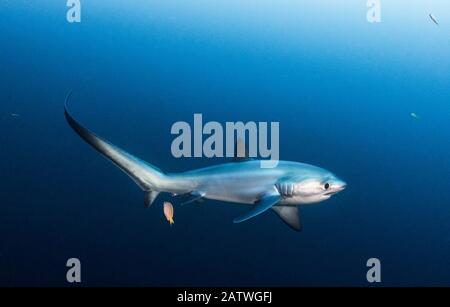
(289,215)
(265,203)
(150,197)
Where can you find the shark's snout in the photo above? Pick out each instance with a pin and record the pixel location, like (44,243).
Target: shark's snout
(341,185)
(336,186)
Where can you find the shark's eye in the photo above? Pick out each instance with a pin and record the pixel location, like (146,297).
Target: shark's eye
(326,186)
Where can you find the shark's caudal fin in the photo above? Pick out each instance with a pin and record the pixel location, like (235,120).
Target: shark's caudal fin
(146,176)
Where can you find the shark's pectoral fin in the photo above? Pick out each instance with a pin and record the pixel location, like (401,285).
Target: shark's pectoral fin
(261,205)
(289,215)
(150,197)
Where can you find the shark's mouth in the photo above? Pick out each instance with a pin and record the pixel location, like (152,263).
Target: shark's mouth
(330,193)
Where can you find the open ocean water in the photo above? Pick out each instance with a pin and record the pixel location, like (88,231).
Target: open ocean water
(342,89)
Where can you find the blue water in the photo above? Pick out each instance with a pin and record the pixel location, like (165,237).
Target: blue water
(341,88)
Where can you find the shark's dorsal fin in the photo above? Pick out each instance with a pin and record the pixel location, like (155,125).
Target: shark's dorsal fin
(264,204)
(289,215)
(241,151)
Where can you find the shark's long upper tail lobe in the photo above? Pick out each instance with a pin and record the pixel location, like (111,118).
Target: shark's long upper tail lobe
(148,177)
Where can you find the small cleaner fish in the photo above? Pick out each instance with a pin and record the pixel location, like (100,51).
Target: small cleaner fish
(168,212)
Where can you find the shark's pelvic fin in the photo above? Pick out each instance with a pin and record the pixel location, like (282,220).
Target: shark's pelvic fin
(195,196)
(289,215)
(261,205)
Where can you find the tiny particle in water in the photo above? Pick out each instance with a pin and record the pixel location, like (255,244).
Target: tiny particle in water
(15,115)
(433,18)
(168,212)
(415,116)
